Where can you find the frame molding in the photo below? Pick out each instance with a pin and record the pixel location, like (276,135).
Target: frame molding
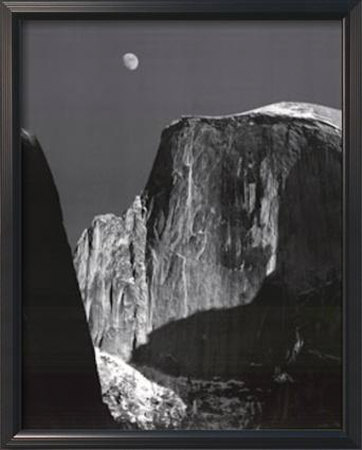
(349,12)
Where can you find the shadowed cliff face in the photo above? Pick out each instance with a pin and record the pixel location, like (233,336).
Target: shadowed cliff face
(231,203)
(287,347)
(252,340)
(60,383)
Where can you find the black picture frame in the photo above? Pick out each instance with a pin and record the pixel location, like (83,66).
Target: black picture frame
(13,13)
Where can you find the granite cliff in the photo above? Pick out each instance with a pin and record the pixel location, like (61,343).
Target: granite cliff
(233,205)
(110,264)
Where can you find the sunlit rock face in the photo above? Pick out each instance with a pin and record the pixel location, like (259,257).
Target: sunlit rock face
(215,225)
(230,202)
(110,265)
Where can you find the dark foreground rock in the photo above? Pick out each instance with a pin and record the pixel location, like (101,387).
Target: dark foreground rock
(230,262)
(60,383)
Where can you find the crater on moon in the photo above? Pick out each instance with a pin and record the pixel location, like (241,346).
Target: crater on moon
(130,61)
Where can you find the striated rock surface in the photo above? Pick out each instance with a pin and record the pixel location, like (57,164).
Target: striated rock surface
(110,264)
(214,198)
(230,202)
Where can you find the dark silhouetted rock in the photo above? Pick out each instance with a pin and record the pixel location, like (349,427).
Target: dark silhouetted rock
(60,383)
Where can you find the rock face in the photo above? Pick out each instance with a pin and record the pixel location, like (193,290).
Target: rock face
(134,400)
(110,264)
(60,385)
(215,198)
(231,203)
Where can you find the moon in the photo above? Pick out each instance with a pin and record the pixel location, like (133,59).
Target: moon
(130,61)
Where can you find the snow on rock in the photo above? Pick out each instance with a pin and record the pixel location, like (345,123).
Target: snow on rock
(133,400)
(297,110)
(308,111)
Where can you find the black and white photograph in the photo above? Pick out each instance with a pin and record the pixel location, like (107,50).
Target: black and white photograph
(182,231)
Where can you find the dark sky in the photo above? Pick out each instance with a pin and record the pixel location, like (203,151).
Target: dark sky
(99,123)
